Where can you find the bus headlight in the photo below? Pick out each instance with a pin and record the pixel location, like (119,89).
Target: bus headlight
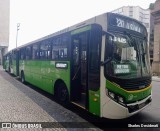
(116,97)
(111,94)
(120,99)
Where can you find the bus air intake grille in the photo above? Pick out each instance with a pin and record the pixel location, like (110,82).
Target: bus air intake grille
(133,84)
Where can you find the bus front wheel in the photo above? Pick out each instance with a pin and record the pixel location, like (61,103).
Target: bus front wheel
(62,94)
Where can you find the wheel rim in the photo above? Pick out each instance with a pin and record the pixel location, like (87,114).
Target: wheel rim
(22,78)
(63,95)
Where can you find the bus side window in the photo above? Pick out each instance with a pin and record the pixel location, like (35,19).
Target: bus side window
(35,52)
(60,47)
(49,51)
(22,54)
(64,46)
(28,52)
(55,54)
(55,48)
(14,55)
(45,50)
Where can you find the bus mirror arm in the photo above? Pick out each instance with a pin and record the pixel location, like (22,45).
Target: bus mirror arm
(106,61)
(108,33)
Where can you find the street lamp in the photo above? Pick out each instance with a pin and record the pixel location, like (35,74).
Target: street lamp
(18,27)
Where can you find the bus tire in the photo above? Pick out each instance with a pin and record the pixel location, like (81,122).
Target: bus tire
(62,94)
(9,70)
(22,77)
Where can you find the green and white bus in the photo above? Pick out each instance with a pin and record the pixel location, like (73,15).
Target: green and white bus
(11,62)
(7,62)
(101,65)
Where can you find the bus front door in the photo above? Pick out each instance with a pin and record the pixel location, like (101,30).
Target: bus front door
(79,69)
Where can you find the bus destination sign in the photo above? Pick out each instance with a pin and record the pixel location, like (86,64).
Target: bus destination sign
(127,23)
(121,69)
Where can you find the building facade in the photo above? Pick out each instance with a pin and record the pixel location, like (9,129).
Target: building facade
(156,52)
(4,27)
(151,42)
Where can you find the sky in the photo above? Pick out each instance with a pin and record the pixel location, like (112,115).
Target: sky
(39,18)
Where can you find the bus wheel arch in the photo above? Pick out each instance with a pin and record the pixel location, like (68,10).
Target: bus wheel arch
(61,91)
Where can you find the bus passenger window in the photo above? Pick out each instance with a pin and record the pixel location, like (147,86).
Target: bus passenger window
(65,52)
(35,52)
(28,52)
(22,54)
(55,54)
(61,53)
(45,50)
(76,54)
(41,54)
(60,48)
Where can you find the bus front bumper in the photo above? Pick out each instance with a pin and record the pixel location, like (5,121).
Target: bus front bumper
(114,110)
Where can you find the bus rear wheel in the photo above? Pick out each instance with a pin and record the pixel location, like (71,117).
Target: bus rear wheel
(22,77)
(62,94)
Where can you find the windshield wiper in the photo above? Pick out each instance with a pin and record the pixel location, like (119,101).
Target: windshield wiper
(129,37)
(132,41)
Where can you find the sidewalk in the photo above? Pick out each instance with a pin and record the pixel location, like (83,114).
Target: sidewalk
(20,103)
(156,78)
(17,106)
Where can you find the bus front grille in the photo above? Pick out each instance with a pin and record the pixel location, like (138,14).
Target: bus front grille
(133,84)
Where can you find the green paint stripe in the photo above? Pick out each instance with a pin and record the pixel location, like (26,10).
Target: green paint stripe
(94,106)
(86,28)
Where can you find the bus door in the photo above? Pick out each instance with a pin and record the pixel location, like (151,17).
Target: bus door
(17,63)
(14,61)
(79,69)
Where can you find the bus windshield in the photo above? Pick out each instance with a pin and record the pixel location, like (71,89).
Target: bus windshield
(130,58)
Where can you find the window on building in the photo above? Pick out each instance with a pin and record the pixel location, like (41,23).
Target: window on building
(146,16)
(147,25)
(131,8)
(131,11)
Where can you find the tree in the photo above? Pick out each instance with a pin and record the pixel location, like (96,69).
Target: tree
(151,6)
